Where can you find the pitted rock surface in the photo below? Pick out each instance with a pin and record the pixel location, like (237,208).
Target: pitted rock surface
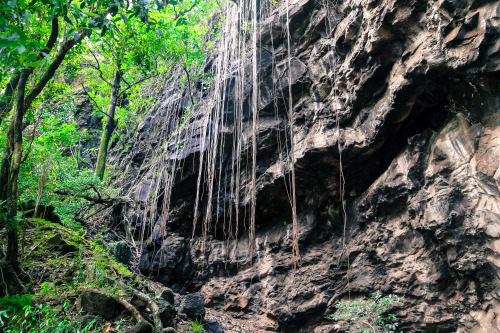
(404,97)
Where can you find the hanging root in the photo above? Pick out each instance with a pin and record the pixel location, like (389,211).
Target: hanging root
(255,93)
(295,226)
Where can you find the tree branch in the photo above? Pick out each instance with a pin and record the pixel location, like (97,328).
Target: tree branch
(49,73)
(184,12)
(96,191)
(12,85)
(133,84)
(93,101)
(98,68)
(86,197)
(52,38)
(123,78)
(189,85)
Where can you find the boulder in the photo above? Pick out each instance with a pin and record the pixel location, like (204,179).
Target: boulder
(192,307)
(212,326)
(55,240)
(168,295)
(44,212)
(97,303)
(57,243)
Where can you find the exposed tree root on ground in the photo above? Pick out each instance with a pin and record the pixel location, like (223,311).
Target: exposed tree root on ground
(158,326)
(10,284)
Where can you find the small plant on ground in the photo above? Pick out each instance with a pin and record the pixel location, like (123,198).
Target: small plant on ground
(369,316)
(196,326)
(10,305)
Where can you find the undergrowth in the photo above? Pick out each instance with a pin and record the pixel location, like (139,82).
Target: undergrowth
(90,265)
(57,276)
(369,315)
(196,326)
(23,317)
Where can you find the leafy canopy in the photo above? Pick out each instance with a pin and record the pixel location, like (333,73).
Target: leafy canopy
(148,39)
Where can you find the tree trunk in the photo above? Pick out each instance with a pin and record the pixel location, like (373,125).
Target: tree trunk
(12,224)
(23,102)
(8,96)
(110,125)
(5,168)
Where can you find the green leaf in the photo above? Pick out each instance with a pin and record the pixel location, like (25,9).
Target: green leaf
(181,21)
(70,33)
(36,63)
(4,43)
(68,20)
(104,30)
(18,30)
(91,14)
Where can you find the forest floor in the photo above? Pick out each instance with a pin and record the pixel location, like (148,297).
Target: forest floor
(63,264)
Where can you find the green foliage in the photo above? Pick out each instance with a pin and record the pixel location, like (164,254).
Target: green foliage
(42,318)
(196,326)
(145,40)
(10,305)
(138,49)
(369,316)
(54,162)
(24,24)
(178,38)
(91,266)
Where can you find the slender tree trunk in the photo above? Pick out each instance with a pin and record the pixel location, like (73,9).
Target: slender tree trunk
(8,96)
(110,125)
(5,168)
(17,154)
(5,107)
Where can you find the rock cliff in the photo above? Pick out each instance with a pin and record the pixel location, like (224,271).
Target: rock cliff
(397,149)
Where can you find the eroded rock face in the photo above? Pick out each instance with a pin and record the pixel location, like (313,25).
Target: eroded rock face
(404,96)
